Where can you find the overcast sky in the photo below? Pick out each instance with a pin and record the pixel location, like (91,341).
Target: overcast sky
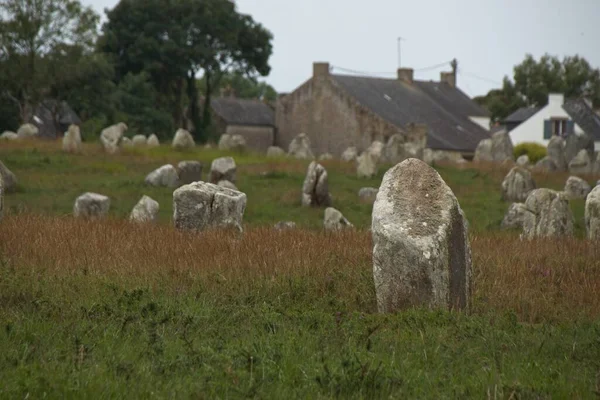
(487,37)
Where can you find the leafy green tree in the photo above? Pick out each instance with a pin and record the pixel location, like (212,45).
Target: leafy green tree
(535,79)
(175,40)
(243,87)
(31,30)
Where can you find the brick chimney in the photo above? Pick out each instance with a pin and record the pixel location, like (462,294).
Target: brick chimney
(320,69)
(406,75)
(450,77)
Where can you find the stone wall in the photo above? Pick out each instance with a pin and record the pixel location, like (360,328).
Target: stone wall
(333,120)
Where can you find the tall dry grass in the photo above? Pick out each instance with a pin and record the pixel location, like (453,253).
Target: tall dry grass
(545,280)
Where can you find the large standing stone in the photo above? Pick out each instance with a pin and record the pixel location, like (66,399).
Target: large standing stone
(153,141)
(523,160)
(514,217)
(300,147)
(517,185)
(581,164)
(334,220)
(366,165)
(592,214)
(368,194)
(350,154)
(111,137)
(222,168)
(146,210)
(183,140)
(27,131)
(91,205)
(315,190)
(577,188)
(189,171)
(574,143)
(201,205)
(556,152)
(8,135)
(139,140)
(274,151)
(397,150)
(163,176)
(10,180)
(548,215)
(71,141)
(421,253)
(546,164)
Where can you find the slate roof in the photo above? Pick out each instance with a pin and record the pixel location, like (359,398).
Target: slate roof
(444,109)
(236,111)
(522,114)
(584,116)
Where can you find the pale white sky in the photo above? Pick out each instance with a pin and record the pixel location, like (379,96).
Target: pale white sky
(487,37)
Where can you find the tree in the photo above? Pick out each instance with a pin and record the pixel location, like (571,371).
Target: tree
(243,87)
(175,40)
(534,80)
(31,30)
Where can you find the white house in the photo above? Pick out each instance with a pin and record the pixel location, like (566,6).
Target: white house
(556,118)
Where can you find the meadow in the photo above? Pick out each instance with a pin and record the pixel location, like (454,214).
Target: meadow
(114,309)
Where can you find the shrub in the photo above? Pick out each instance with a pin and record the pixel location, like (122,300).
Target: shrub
(535,151)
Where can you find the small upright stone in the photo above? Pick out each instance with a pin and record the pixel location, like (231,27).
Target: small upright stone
(514,216)
(153,141)
(502,147)
(222,168)
(1,197)
(274,151)
(285,225)
(592,214)
(126,142)
(227,184)
(368,194)
(300,147)
(366,165)
(146,210)
(9,179)
(556,152)
(483,151)
(91,205)
(27,131)
(376,151)
(71,141)
(350,154)
(574,143)
(523,161)
(111,137)
(577,188)
(334,220)
(200,206)
(163,176)
(581,164)
(546,164)
(139,140)
(224,142)
(421,249)
(517,185)
(237,143)
(548,215)
(189,171)
(397,150)
(183,140)
(315,190)
(9,136)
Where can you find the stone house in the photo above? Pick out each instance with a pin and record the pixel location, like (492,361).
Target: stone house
(253,119)
(52,118)
(338,111)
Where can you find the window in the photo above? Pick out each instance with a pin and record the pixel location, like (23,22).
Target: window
(558,127)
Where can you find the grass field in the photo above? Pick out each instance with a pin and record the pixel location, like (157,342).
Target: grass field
(112,309)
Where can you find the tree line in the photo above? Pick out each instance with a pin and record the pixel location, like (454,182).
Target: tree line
(534,79)
(146,66)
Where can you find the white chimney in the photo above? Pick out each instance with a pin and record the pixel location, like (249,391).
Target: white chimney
(556,98)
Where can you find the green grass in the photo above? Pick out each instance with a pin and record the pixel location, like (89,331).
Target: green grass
(49,182)
(110,340)
(113,310)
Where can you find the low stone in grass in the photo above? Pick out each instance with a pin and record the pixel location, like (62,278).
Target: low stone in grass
(91,205)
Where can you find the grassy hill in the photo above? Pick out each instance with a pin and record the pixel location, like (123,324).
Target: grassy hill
(105,309)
